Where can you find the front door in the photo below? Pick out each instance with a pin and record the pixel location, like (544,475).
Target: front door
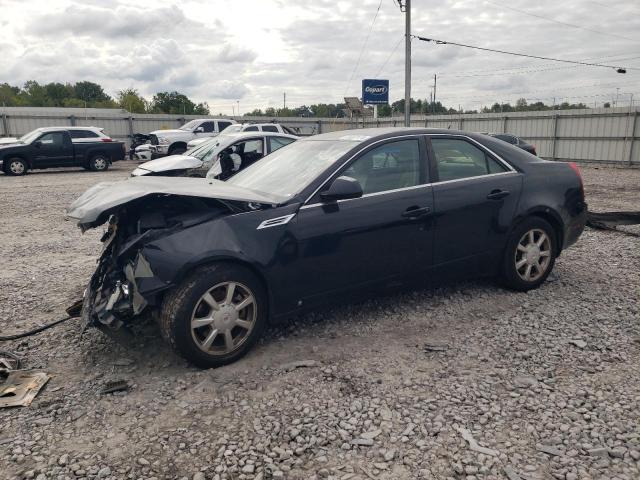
(384,235)
(53,149)
(475,197)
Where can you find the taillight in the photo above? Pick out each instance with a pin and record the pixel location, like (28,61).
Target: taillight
(106,139)
(533,151)
(575,168)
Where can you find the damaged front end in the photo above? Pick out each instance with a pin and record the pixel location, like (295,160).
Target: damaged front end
(154,227)
(125,284)
(112,296)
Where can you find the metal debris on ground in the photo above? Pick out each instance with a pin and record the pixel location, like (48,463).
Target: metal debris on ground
(9,361)
(473,445)
(21,387)
(115,386)
(611,220)
(299,364)
(436,347)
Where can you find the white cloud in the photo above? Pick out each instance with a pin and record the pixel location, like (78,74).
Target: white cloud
(254,50)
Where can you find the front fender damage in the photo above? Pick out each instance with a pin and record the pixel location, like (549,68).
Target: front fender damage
(132,274)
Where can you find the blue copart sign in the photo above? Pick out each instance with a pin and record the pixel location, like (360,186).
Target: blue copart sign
(375,91)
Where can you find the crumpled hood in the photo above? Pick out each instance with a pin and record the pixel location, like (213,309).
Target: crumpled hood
(93,206)
(173,162)
(6,140)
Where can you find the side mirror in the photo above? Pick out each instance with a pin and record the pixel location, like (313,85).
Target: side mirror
(342,188)
(199,130)
(37,144)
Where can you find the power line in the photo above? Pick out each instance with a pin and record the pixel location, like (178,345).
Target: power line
(524,69)
(575,62)
(366,40)
(573,25)
(390,55)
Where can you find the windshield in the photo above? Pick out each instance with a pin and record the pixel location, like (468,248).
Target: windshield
(210,149)
(233,128)
(190,125)
(290,169)
(30,137)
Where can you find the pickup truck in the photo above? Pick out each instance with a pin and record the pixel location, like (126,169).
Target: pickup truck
(174,142)
(56,147)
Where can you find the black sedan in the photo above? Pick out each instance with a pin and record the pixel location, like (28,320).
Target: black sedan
(322,219)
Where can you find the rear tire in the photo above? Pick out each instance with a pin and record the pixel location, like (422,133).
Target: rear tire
(530,255)
(99,163)
(15,167)
(207,325)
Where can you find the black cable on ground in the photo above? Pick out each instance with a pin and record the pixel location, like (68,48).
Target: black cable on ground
(35,330)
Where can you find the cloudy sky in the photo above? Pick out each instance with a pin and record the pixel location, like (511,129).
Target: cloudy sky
(222,51)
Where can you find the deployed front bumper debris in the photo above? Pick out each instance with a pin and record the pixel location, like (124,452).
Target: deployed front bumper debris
(21,387)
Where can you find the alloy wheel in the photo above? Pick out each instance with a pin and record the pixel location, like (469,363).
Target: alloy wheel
(17,168)
(533,255)
(99,163)
(223,318)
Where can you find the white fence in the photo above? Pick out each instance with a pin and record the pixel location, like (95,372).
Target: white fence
(604,135)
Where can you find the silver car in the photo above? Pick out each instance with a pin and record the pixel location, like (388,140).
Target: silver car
(228,152)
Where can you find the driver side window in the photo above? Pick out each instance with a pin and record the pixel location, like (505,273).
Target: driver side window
(391,166)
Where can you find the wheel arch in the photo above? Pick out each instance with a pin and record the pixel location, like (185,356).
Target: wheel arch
(549,215)
(179,143)
(21,156)
(230,260)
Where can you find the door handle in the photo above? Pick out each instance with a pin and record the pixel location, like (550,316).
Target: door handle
(497,194)
(415,212)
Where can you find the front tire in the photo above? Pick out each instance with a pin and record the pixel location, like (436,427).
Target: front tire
(530,255)
(99,163)
(15,166)
(216,315)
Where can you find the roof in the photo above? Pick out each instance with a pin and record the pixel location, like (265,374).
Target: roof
(254,133)
(361,134)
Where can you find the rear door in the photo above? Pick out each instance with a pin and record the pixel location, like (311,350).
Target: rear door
(53,149)
(475,198)
(381,236)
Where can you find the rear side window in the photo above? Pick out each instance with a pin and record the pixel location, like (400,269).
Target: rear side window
(458,159)
(270,128)
(223,125)
(279,142)
(83,134)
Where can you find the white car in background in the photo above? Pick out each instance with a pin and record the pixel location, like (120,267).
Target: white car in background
(77,134)
(228,152)
(248,127)
(174,142)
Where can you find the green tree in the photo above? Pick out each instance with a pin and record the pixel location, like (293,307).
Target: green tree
(172,102)
(131,100)
(90,92)
(9,95)
(201,109)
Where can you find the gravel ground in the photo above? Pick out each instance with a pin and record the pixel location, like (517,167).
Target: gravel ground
(544,384)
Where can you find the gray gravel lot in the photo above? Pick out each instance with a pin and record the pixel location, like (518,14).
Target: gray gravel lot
(546,383)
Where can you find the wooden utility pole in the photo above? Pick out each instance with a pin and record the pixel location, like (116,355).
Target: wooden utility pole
(407,64)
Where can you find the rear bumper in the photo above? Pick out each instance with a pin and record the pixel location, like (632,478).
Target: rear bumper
(575,227)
